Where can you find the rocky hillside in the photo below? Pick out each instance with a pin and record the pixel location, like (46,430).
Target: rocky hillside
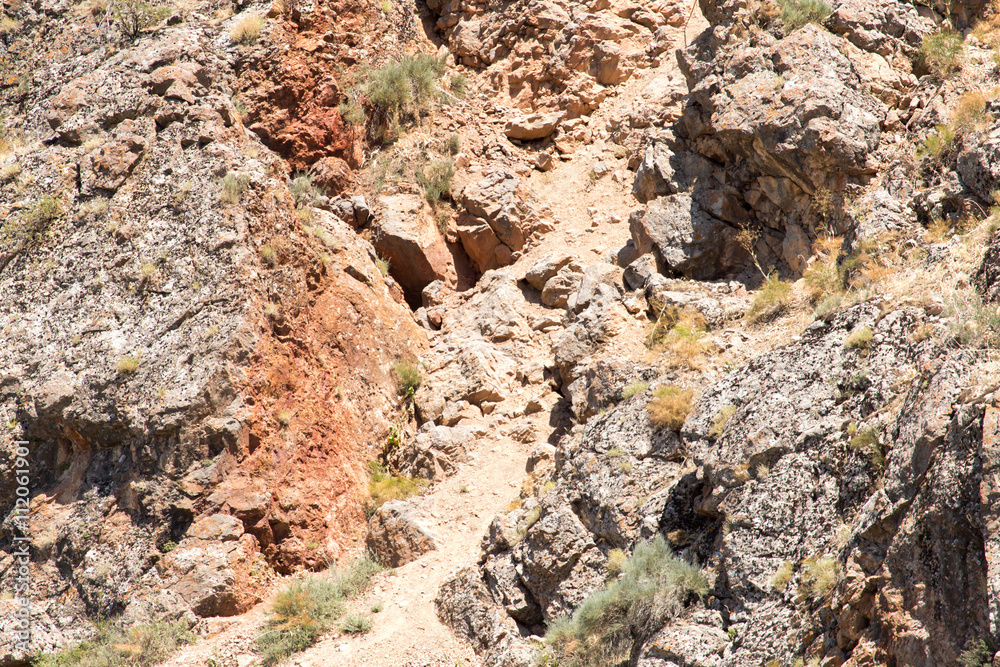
(522,297)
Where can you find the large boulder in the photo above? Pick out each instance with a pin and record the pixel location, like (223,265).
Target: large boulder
(396,537)
(405,235)
(688,239)
(534,126)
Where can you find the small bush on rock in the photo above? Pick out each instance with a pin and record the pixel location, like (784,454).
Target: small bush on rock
(408,377)
(773,299)
(384,486)
(233,185)
(670,407)
(969,113)
(720,421)
(782,576)
(247,29)
(819,576)
(435,179)
(131,17)
(356,624)
(979,654)
(866,442)
(615,622)
(859,339)
(633,388)
(942,53)
(797,13)
(127,365)
(937,143)
(405,87)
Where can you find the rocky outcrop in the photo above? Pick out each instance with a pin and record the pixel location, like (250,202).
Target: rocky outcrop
(557,55)
(774,485)
(187,359)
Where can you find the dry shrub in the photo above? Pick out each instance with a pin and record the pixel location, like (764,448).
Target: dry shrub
(670,406)
(969,113)
(247,29)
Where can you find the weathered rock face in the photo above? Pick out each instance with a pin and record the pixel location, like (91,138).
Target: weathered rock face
(500,217)
(776,126)
(187,361)
(557,55)
(782,479)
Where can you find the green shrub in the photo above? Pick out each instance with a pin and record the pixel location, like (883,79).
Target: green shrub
(859,339)
(303,190)
(971,321)
(615,622)
(937,143)
(827,305)
(408,377)
(239,105)
(131,17)
(866,442)
(405,87)
(670,407)
(454,144)
(233,185)
(616,562)
(633,388)
(797,13)
(942,53)
(351,113)
(309,607)
(435,179)
(112,646)
(772,299)
(268,255)
(459,85)
(822,279)
(356,624)
(979,654)
(168,546)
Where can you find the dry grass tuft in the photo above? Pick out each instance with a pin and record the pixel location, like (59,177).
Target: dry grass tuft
(670,406)
(247,29)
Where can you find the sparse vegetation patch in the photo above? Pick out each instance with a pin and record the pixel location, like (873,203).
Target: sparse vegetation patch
(247,29)
(309,607)
(113,646)
(772,299)
(384,486)
(797,13)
